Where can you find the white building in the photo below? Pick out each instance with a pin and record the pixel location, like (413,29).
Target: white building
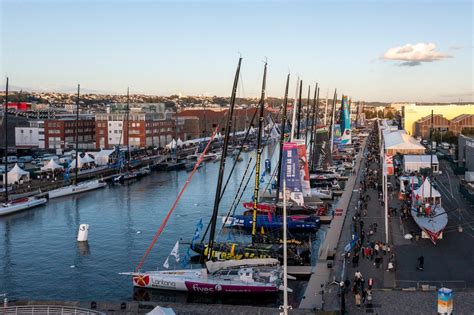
(416,162)
(31,136)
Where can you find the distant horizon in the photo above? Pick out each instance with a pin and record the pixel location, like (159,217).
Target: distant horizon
(16,90)
(389,51)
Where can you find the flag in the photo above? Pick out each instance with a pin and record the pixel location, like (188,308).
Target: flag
(166,264)
(175,251)
(388,164)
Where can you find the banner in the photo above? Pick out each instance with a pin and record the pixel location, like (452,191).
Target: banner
(303,167)
(346,135)
(291,174)
(389,164)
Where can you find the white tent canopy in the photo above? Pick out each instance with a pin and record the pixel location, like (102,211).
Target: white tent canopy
(172,144)
(82,161)
(180,142)
(102,157)
(162,311)
(425,190)
(51,166)
(400,141)
(16,174)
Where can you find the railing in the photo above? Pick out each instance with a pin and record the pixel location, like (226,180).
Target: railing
(46,310)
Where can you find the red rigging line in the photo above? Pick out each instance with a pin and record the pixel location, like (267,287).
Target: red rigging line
(163,224)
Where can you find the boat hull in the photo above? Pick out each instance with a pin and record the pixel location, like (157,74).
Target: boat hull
(21,206)
(197,281)
(73,190)
(295,223)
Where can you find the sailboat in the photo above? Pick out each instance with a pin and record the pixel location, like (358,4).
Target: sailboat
(254,276)
(426,208)
(262,245)
(12,206)
(243,276)
(76,188)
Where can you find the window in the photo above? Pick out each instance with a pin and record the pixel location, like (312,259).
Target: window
(21,130)
(31,131)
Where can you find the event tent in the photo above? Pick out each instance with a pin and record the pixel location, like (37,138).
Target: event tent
(51,166)
(425,191)
(16,174)
(400,142)
(102,157)
(82,161)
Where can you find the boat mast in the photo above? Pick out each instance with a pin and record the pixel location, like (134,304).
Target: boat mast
(128,127)
(259,154)
(311,142)
(307,117)
(326,111)
(332,121)
(76,171)
(222,162)
(431,157)
(298,136)
(282,135)
(5,121)
(293,115)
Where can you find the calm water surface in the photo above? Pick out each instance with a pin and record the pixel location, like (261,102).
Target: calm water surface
(40,258)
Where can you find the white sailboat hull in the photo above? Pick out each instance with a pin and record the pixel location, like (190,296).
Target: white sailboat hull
(76,189)
(199,281)
(20,206)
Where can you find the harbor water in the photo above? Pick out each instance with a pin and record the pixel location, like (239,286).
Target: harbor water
(40,257)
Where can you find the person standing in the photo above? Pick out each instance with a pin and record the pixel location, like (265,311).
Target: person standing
(357,298)
(421,262)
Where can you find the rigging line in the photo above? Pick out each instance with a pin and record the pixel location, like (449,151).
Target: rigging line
(238,155)
(163,224)
(236,195)
(232,170)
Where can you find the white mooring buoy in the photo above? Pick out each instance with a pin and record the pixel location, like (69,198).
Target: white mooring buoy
(83,233)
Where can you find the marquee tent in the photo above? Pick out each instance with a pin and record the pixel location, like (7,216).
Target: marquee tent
(16,174)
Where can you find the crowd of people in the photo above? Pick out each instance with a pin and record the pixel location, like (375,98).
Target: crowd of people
(367,246)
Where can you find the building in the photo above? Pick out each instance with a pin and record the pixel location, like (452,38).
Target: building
(441,124)
(144,129)
(466,152)
(423,126)
(412,113)
(464,121)
(13,122)
(60,133)
(210,118)
(19,106)
(412,163)
(30,137)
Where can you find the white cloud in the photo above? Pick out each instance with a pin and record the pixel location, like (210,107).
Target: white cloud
(414,55)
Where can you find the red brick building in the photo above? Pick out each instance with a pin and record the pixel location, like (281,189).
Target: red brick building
(61,133)
(209,118)
(441,124)
(145,129)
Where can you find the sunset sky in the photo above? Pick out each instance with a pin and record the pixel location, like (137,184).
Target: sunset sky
(419,51)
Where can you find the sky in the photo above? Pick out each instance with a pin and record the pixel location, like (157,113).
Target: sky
(413,51)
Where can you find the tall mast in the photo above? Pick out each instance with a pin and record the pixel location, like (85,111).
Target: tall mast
(332,120)
(76,171)
(293,114)
(307,117)
(128,127)
(282,135)
(431,157)
(314,120)
(5,121)
(222,163)
(259,154)
(326,111)
(298,136)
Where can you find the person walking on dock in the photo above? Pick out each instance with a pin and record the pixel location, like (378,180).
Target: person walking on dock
(421,262)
